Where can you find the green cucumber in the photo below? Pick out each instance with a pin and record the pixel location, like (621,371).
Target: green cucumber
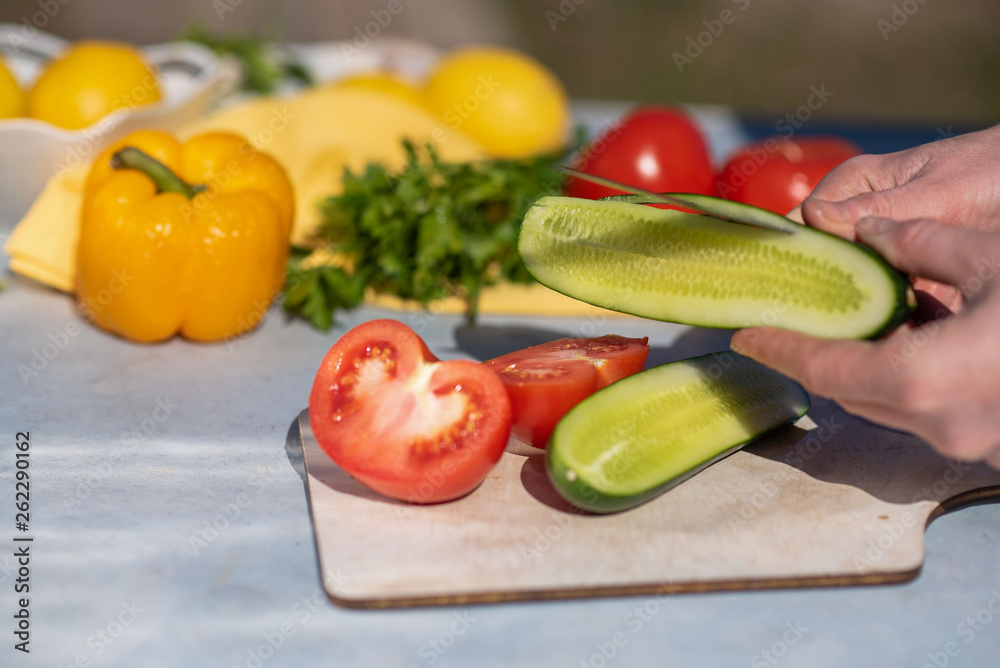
(637,438)
(704,270)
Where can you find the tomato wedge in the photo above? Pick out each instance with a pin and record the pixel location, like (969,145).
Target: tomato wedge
(404,423)
(545,381)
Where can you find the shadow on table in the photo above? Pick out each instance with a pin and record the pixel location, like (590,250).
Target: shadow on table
(536,483)
(696,341)
(293,450)
(890,465)
(488,341)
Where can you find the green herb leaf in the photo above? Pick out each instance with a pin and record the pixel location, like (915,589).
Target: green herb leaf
(265,65)
(434,230)
(314,293)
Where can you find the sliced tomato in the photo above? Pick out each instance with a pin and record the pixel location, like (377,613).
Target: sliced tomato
(545,381)
(404,423)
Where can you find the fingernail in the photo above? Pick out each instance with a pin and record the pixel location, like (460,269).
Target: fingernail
(873,226)
(831,211)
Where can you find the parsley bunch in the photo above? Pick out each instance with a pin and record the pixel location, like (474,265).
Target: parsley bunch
(434,230)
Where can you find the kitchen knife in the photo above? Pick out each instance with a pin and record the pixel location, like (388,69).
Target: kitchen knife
(734,212)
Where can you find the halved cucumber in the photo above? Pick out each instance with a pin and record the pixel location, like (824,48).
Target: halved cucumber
(708,271)
(646,433)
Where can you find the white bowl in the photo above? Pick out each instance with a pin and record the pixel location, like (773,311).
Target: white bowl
(191,79)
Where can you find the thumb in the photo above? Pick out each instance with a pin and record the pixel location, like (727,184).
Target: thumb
(930,249)
(841,217)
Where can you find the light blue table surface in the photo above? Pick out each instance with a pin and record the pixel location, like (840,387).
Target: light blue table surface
(137,451)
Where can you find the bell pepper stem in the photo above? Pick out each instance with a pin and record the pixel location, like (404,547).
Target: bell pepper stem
(166,181)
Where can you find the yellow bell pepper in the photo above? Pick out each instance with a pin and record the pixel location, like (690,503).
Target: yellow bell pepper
(188,239)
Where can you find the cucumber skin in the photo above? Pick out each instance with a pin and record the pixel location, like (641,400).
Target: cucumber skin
(905,301)
(586,497)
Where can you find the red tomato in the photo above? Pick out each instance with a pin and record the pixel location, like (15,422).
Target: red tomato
(545,381)
(654,148)
(402,422)
(778,173)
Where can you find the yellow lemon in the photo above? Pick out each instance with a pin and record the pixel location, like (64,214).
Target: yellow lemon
(11,97)
(90,80)
(383,82)
(507,101)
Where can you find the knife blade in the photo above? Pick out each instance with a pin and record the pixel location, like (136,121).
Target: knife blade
(733,212)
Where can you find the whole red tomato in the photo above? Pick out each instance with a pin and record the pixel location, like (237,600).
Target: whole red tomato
(779,172)
(655,148)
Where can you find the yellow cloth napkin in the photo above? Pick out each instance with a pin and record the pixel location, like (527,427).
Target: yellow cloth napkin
(43,245)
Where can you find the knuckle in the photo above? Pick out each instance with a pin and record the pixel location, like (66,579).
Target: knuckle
(897,169)
(875,204)
(866,163)
(915,235)
(854,176)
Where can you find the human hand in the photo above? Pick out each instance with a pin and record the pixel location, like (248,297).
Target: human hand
(955,180)
(940,381)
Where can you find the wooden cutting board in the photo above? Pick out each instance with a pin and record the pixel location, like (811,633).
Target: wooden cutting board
(832,500)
